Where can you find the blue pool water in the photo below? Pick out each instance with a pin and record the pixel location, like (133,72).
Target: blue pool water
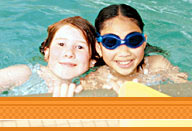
(23,25)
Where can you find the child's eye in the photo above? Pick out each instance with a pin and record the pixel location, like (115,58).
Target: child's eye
(61,44)
(79,47)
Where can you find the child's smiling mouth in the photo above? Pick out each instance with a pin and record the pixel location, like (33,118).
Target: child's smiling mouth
(68,64)
(124,63)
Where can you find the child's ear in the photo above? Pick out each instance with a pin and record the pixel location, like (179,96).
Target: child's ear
(98,49)
(46,54)
(145,43)
(92,63)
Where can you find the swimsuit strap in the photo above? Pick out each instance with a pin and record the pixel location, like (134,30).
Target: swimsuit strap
(76,80)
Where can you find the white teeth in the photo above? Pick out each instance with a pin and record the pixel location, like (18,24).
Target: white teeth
(124,62)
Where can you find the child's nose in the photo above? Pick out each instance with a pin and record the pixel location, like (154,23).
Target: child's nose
(68,53)
(124,50)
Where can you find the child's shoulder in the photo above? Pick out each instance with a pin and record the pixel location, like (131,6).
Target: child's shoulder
(158,61)
(156,58)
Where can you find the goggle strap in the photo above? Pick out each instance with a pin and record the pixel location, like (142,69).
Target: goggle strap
(99,39)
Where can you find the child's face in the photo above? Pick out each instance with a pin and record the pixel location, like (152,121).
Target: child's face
(122,59)
(69,54)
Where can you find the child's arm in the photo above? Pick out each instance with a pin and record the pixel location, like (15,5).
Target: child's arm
(160,63)
(14,76)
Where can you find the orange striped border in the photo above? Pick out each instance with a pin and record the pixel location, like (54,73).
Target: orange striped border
(95,108)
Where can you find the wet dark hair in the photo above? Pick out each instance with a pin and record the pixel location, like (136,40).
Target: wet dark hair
(112,11)
(116,10)
(87,29)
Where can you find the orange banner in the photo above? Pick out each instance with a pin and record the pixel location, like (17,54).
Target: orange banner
(95,108)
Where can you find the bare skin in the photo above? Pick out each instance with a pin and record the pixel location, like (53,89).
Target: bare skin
(107,78)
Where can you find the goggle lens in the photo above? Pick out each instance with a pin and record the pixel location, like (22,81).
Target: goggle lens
(135,41)
(110,42)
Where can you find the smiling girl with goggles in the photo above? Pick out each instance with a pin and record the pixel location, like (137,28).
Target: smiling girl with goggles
(111,41)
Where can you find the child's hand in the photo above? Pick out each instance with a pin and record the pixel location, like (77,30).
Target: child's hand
(66,90)
(112,86)
(179,77)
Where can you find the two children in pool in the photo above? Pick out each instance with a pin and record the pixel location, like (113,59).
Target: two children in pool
(121,44)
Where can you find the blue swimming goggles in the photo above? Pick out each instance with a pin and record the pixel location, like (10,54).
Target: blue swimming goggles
(111,41)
